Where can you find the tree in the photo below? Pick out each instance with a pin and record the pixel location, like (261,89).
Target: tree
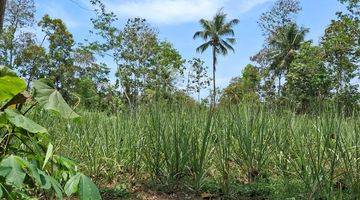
(245,88)
(61,69)
(145,64)
(167,65)
(283,46)
(2,14)
(271,22)
(213,34)
(138,48)
(353,6)
(31,63)
(87,66)
(342,54)
(251,79)
(92,78)
(308,80)
(197,77)
(19,15)
(103,26)
(233,93)
(279,15)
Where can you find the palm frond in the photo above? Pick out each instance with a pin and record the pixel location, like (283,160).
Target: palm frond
(199,34)
(203,47)
(206,24)
(227,45)
(233,22)
(226,32)
(219,20)
(231,40)
(222,49)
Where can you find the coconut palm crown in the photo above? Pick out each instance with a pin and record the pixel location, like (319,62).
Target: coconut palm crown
(283,46)
(219,35)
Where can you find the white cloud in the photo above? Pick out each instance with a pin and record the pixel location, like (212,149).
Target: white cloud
(247,5)
(177,11)
(57,10)
(168,11)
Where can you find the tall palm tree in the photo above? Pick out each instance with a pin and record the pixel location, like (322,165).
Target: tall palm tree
(283,47)
(219,35)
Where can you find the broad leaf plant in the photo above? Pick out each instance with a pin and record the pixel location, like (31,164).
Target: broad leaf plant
(29,169)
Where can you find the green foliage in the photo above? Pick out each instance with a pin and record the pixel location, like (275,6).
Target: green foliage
(51,99)
(60,69)
(283,45)
(353,6)
(243,89)
(235,152)
(307,74)
(31,62)
(19,16)
(12,171)
(308,80)
(18,120)
(145,63)
(197,76)
(81,184)
(24,146)
(342,50)
(10,84)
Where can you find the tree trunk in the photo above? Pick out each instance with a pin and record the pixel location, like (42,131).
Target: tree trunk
(214,82)
(279,86)
(28,83)
(2,13)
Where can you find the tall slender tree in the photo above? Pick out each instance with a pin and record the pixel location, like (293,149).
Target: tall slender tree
(219,35)
(2,13)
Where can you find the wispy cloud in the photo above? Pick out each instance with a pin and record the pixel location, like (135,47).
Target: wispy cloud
(56,10)
(168,11)
(177,11)
(247,5)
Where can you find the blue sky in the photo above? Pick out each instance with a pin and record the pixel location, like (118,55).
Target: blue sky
(177,20)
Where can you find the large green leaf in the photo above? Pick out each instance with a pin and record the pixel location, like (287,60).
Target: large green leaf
(44,178)
(23,122)
(82,185)
(65,162)
(72,185)
(49,153)
(10,84)
(52,100)
(3,120)
(16,175)
(39,176)
(57,187)
(87,189)
(4,171)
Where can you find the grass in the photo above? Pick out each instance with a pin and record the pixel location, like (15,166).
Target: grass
(238,152)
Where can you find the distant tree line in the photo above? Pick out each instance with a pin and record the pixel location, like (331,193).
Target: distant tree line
(288,71)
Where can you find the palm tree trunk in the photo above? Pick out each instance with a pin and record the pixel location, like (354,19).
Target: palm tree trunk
(214,82)
(2,13)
